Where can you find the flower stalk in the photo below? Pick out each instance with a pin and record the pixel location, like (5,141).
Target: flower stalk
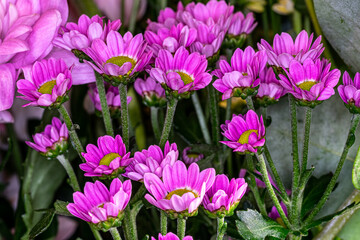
(124,114)
(115,233)
(308,115)
(155,122)
(171,107)
(181,227)
(70,172)
(221,228)
(163,223)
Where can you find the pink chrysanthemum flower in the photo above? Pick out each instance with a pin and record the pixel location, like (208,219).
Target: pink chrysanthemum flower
(151,160)
(112,99)
(241,79)
(81,35)
(166,19)
(182,73)
(274,214)
(310,82)
(46,84)
(190,157)
(180,191)
(270,89)
(171,236)
(284,49)
(241,24)
(53,141)
(350,92)
(102,206)
(152,93)
(224,196)
(170,39)
(107,160)
(120,57)
(245,132)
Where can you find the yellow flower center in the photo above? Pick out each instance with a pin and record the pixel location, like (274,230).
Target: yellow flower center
(244,138)
(193,155)
(120,60)
(47,87)
(108,158)
(185,77)
(179,192)
(307,85)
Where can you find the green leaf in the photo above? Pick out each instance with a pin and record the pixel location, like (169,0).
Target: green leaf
(356,171)
(351,207)
(43,224)
(60,208)
(256,226)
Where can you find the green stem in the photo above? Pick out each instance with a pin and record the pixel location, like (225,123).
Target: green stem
(254,188)
(277,178)
(70,172)
(124,114)
(163,223)
(306,139)
(134,14)
(265,22)
(201,117)
(155,122)
(349,142)
(95,232)
(270,188)
(221,228)
(129,226)
(138,195)
(104,106)
(214,113)
(73,136)
(275,23)
(162,4)
(16,153)
(115,233)
(181,227)
(297,21)
(170,113)
(250,103)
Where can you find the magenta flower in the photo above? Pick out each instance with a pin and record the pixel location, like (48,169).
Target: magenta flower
(270,89)
(171,236)
(242,25)
(245,132)
(166,19)
(190,157)
(224,196)
(7,85)
(119,57)
(81,35)
(152,93)
(241,79)
(310,82)
(112,99)
(107,160)
(350,92)
(182,73)
(46,83)
(180,191)
(170,39)
(53,141)
(152,160)
(102,206)
(274,214)
(285,50)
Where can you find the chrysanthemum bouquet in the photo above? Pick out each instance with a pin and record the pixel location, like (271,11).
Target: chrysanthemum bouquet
(184,126)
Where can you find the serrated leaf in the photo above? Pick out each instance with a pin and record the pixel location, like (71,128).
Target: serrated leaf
(244,231)
(260,226)
(43,224)
(356,171)
(60,208)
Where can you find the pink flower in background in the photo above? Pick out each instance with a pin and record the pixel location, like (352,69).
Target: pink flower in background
(46,83)
(242,25)
(311,81)
(113,9)
(241,78)
(120,56)
(350,92)
(181,190)
(171,236)
(112,99)
(274,214)
(170,39)
(182,72)
(224,196)
(81,35)
(152,93)
(106,160)
(8,78)
(190,157)
(245,132)
(100,205)
(166,19)
(151,160)
(270,89)
(53,141)
(284,49)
